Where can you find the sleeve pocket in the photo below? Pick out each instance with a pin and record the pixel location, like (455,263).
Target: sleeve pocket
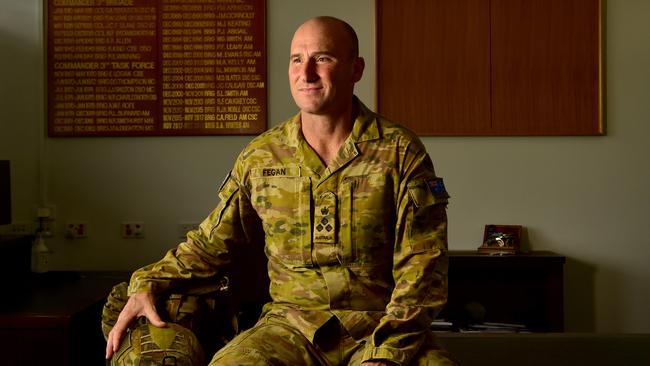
(227,190)
(426,222)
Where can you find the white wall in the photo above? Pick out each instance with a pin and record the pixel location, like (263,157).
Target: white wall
(584,197)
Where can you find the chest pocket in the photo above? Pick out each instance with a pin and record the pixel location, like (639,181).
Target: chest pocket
(281,198)
(367,219)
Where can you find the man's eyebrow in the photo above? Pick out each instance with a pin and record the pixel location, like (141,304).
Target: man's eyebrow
(323,53)
(319,53)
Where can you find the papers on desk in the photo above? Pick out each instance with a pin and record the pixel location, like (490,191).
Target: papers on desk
(441,325)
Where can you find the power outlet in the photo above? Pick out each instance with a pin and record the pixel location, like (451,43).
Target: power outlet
(76,229)
(133,230)
(184,227)
(18,228)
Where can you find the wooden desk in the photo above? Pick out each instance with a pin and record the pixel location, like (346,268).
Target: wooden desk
(525,289)
(54,318)
(543,349)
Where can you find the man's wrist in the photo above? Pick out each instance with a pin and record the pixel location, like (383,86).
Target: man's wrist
(383,356)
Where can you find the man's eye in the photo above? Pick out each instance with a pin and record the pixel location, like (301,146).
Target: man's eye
(295,61)
(323,59)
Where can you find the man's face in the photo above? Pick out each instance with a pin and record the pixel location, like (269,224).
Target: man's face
(322,69)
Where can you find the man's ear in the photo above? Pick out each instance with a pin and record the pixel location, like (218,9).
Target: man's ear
(358,67)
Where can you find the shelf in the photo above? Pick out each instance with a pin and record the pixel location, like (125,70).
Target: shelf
(526,289)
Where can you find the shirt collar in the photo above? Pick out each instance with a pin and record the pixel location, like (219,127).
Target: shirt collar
(366,126)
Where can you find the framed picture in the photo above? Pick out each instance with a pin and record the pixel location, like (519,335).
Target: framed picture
(501,239)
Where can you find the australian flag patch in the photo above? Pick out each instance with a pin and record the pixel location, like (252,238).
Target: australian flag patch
(437,188)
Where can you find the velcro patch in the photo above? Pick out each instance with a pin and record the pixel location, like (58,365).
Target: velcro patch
(281,171)
(428,192)
(437,188)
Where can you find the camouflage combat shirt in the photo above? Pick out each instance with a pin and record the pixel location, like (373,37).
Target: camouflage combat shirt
(363,239)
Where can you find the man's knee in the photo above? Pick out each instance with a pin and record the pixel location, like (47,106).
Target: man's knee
(240,356)
(267,343)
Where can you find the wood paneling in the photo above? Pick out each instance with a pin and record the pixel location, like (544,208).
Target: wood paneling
(491,67)
(433,65)
(545,67)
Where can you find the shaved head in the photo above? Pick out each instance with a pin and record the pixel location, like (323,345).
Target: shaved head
(341,30)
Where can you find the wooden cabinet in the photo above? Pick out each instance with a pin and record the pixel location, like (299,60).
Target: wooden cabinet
(491,67)
(525,289)
(543,349)
(54,318)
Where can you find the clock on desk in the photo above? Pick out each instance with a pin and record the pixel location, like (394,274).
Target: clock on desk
(501,239)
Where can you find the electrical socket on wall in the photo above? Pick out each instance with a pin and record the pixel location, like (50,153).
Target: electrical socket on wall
(132,229)
(76,229)
(17,228)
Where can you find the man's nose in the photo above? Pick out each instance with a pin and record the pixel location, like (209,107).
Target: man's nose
(308,71)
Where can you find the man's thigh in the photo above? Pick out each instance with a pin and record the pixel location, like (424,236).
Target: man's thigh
(430,354)
(269,342)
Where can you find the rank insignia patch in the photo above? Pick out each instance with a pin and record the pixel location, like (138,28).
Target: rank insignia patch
(325,219)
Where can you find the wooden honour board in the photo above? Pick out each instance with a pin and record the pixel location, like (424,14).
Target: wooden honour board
(156,67)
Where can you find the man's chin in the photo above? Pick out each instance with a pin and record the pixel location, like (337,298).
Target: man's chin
(311,108)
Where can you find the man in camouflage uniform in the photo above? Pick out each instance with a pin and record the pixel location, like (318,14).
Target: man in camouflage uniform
(353,220)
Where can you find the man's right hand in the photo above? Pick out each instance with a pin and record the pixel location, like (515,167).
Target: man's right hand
(140,304)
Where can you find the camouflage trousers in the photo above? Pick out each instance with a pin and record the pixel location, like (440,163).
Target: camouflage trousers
(273,342)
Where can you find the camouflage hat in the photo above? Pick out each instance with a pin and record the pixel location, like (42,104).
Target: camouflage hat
(113,306)
(203,309)
(147,345)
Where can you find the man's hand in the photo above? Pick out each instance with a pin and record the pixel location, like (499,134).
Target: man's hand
(140,304)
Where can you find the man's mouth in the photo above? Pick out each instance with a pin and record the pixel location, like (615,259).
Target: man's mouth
(310,89)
